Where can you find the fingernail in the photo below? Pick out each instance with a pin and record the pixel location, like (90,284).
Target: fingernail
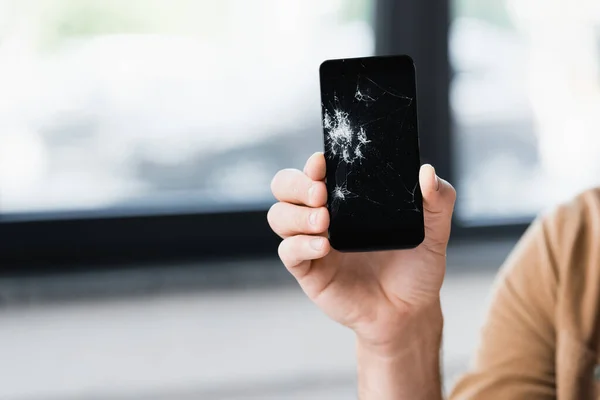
(311,190)
(437,183)
(317,243)
(308,161)
(312,218)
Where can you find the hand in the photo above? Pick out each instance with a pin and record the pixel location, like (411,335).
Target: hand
(374,293)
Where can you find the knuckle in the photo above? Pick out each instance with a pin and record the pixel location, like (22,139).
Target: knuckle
(287,250)
(282,249)
(275,182)
(323,219)
(271,214)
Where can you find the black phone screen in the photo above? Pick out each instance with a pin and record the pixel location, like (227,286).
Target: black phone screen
(369,116)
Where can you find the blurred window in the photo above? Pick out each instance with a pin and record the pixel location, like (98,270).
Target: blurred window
(157,105)
(526,102)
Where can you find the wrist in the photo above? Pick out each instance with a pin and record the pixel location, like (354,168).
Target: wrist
(408,368)
(421,327)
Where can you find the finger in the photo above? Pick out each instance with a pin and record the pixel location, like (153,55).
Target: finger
(287,219)
(315,167)
(438,204)
(438,195)
(296,250)
(293,186)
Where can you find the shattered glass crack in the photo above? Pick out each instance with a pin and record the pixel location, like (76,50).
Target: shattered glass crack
(370,127)
(360,96)
(343,137)
(349,135)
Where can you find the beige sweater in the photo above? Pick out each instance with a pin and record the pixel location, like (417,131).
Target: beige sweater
(541,339)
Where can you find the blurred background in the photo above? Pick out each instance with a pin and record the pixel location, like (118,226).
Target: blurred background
(138,139)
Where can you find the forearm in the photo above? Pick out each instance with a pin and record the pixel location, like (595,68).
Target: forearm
(410,369)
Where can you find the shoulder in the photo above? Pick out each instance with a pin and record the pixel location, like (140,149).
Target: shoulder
(573,228)
(559,251)
(578,210)
(547,287)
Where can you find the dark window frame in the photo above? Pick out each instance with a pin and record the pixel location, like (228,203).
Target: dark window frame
(64,244)
(426,24)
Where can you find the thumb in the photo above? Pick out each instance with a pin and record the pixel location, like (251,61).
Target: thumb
(438,205)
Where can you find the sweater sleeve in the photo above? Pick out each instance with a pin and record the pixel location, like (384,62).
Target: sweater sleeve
(516,353)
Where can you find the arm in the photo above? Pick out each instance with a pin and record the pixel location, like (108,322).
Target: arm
(390,299)
(516,354)
(409,371)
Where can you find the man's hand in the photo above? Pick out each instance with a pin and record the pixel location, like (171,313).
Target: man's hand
(389,298)
(373,293)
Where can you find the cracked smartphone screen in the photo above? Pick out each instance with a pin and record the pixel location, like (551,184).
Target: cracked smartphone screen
(369,116)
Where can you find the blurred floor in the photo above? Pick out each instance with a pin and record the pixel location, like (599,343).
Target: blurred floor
(233,332)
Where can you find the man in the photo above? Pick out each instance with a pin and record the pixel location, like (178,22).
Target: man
(542,336)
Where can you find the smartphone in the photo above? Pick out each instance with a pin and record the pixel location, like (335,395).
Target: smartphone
(370,129)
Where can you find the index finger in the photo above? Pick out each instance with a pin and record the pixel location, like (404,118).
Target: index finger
(293,186)
(315,167)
